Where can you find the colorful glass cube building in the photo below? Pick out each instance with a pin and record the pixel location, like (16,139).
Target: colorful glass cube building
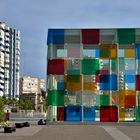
(93,75)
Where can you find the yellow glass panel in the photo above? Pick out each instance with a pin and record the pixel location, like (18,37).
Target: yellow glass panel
(113,53)
(130,92)
(121,98)
(65,64)
(89,86)
(71,85)
(108,51)
(121,114)
(129,53)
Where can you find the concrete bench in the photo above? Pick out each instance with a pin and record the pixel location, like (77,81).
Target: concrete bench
(41,122)
(26,124)
(9,129)
(19,125)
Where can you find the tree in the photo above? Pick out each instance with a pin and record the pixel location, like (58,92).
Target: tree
(1,109)
(43,93)
(25,104)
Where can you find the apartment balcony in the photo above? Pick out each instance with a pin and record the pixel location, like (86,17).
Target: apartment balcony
(7,61)
(7,44)
(7,34)
(1,86)
(17,68)
(2,42)
(7,66)
(18,53)
(7,50)
(1,48)
(7,28)
(18,63)
(7,39)
(18,59)
(1,36)
(2,81)
(1,70)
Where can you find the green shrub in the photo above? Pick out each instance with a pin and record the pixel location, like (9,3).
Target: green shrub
(1,109)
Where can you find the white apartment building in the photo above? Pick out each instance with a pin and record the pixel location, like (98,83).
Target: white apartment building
(9,61)
(31,88)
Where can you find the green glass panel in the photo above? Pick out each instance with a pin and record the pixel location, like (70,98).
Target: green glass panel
(97,100)
(90,66)
(126,36)
(104,100)
(138,114)
(52,97)
(52,113)
(73,72)
(60,98)
(73,78)
(104,53)
(113,64)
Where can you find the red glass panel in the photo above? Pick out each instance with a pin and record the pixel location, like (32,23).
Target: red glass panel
(104,114)
(90,36)
(130,101)
(137,82)
(108,114)
(113,113)
(60,113)
(55,66)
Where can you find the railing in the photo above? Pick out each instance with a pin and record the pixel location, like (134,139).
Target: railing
(27,116)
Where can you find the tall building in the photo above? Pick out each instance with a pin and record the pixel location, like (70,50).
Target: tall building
(30,88)
(93,75)
(9,61)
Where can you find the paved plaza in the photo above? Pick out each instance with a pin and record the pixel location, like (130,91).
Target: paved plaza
(75,132)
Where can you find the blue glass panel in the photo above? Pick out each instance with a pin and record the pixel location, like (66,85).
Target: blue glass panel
(73,113)
(60,86)
(130,86)
(137,51)
(89,114)
(129,78)
(104,78)
(108,82)
(97,53)
(55,36)
(113,82)
(130,72)
(104,86)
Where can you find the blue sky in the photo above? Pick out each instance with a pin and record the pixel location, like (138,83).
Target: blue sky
(34,17)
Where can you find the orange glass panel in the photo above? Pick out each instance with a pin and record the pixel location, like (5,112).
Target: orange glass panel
(130,92)
(110,49)
(113,53)
(129,53)
(121,97)
(121,114)
(130,101)
(73,85)
(89,86)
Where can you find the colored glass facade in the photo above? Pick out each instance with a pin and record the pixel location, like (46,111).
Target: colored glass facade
(93,75)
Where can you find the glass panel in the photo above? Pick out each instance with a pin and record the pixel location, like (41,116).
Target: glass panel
(90,66)
(129,53)
(89,114)
(73,113)
(126,36)
(104,100)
